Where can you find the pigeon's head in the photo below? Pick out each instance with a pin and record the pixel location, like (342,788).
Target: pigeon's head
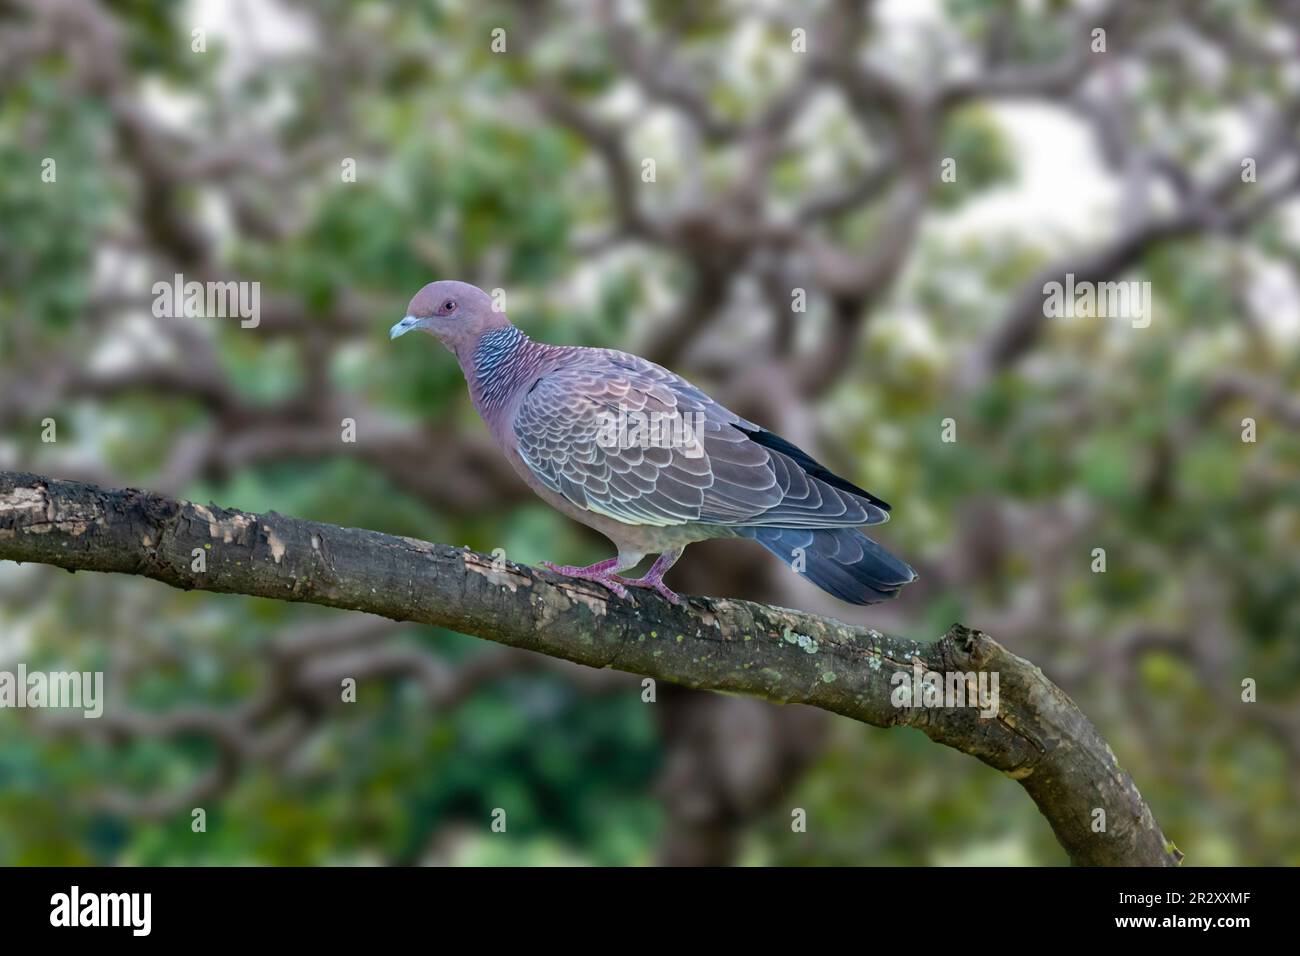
(457,313)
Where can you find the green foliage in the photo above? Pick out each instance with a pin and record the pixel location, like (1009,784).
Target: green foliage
(48,240)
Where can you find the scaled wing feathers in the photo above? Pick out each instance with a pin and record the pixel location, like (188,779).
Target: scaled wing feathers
(622,437)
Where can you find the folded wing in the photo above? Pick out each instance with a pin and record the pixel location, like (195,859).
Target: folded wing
(622,437)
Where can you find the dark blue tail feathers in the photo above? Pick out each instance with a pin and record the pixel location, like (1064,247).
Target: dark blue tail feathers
(841,561)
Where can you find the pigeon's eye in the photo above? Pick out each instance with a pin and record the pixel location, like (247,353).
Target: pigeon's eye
(447,308)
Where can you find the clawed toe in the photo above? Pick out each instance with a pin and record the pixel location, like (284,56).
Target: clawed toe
(604,579)
(663,590)
(602,574)
(668,593)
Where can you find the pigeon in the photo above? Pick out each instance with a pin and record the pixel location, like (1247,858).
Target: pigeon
(641,455)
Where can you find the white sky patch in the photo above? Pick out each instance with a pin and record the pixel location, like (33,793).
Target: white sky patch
(1290,219)
(135,341)
(247,31)
(1273,295)
(624,100)
(169,107)
(909,15)
(18,634)
(913,335)
(1061,189)
(908,31)
(252,29)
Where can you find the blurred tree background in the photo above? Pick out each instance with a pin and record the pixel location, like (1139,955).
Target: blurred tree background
(795,146)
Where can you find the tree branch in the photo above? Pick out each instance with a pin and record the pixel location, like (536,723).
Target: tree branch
(1038,736)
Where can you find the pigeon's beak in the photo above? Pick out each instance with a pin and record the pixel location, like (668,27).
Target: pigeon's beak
(401,328)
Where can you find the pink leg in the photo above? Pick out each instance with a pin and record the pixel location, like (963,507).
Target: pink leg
(601,573)
(655,576)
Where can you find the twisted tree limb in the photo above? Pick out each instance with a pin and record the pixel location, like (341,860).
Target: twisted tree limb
(1038,736)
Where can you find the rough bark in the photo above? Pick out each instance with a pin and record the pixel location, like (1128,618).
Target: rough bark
(1038,737)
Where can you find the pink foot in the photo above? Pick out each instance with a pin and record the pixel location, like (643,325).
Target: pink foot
(655,577)
(664,590)
(599,573)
